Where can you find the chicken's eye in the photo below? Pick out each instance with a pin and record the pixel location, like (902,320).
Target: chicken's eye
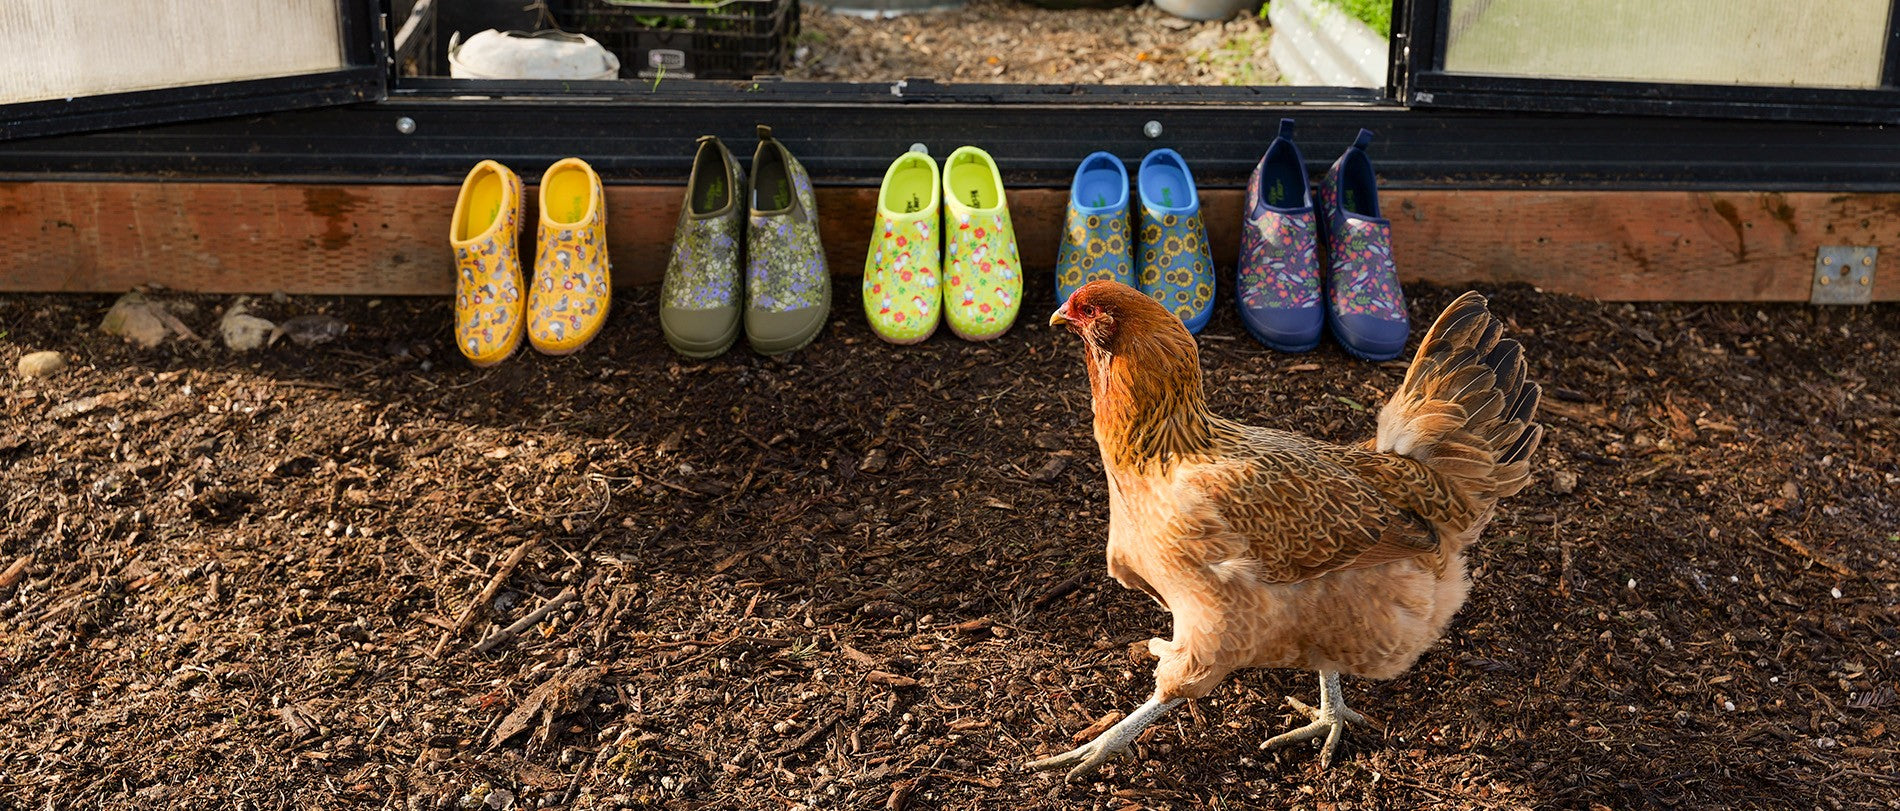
(1089,311)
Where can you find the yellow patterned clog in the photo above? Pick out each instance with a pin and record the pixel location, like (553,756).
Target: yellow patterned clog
(902,298)
(488,295)
(573,283)
(983,278)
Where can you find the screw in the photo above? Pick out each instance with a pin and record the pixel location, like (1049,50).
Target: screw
(1826,280)
(1864,281)
(1827,260)
(1151,129)
(1866,260)
(406,125)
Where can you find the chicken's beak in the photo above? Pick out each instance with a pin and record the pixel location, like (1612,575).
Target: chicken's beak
(1060,318)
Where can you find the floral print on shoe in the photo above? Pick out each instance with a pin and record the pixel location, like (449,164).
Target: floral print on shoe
(699,298)
(1365,305)
(483,234)
(983,284)
(1279,280)
(903,295)
(788,289)
(573,284)
(1175,267)
(1096,244)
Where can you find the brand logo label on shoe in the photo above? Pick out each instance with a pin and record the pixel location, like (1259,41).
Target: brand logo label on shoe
(915,205)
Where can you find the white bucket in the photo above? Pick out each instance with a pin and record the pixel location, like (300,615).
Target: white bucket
(550,54)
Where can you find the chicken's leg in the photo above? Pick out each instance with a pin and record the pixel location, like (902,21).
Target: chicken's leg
(1329,720)
(1090,756)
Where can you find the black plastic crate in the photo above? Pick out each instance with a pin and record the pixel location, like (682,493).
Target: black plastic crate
(726,39)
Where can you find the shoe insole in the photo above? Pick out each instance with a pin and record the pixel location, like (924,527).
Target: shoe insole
(909,189)
(771,183)
(1100,188)
(564,196)
(482,206)
(1167,185)
(1280,184)
(710,193)
(1358,188)
(973,184)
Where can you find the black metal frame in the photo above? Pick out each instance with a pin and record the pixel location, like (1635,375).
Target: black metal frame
(364,78)
(1426,83)
(847,141)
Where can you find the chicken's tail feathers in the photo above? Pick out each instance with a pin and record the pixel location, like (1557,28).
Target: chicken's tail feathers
(1465,408)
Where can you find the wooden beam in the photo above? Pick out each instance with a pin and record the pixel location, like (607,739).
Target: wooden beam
(392,240)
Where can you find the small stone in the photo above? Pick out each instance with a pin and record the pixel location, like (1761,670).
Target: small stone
(243,332)
(311,330)
(42,364)
(1563,482)
(136,319)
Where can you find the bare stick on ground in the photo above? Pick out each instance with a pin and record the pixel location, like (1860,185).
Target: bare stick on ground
(482,598)
(526,622)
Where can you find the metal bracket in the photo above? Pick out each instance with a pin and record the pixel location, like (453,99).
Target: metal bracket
(1844,274)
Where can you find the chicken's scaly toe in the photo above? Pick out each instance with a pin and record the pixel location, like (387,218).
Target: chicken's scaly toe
(1329,719)
(1090,756)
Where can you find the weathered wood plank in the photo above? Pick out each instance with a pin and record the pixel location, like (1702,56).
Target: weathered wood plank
(392,240)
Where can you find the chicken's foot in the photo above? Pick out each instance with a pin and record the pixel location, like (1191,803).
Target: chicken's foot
(1330,719)
(1090,756)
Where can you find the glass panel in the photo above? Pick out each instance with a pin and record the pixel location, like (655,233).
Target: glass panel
(63,49)
(1836,43)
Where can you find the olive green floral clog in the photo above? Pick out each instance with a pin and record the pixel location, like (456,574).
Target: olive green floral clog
(788,290)
(699,300)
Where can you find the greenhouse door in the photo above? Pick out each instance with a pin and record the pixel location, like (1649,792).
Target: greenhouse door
(74,67)
(1767,59)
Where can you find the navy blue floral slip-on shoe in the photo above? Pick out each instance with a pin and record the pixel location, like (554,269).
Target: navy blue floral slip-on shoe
(1175,268)
(1096,243)
(1279,262)
(1364,305)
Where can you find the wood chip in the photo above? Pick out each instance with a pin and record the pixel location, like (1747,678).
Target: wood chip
(1101,725)
(859,656)
(890,679)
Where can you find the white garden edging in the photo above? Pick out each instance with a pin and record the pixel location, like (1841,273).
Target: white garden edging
(1314,43)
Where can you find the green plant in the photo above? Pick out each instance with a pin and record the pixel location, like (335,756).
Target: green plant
(1375,13)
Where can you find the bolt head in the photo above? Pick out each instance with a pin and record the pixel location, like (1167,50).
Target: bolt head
(406,125)
(1151,129)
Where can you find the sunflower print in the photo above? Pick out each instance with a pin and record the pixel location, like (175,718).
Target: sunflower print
(1094,247)
(1175,268)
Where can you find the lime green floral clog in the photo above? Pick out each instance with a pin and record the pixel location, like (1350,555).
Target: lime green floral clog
(983,288)
(902,294)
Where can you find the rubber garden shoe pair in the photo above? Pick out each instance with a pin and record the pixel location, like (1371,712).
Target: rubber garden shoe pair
(1282,272)
(943,248)
(565,306)
(781,292)
(1165,256)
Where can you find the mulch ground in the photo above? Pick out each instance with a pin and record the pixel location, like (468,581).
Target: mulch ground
(869,577)
(1012,42)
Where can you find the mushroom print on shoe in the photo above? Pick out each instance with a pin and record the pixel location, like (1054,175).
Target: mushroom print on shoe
(1175,268)
(488,296)
(1279,262)
(573,285)
(699,299)
(1365,306)
(903,294)
(1096,244)
(788,290)
(983,285)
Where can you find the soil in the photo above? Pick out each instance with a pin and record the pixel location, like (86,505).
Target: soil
(871,577)
(1011,42)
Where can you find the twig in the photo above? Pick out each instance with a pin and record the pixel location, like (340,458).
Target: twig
(526,622)
(482,598)
(1786,541)
(13,573)
(1061,590)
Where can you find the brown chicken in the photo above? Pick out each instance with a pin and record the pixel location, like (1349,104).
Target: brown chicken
(1273,549)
